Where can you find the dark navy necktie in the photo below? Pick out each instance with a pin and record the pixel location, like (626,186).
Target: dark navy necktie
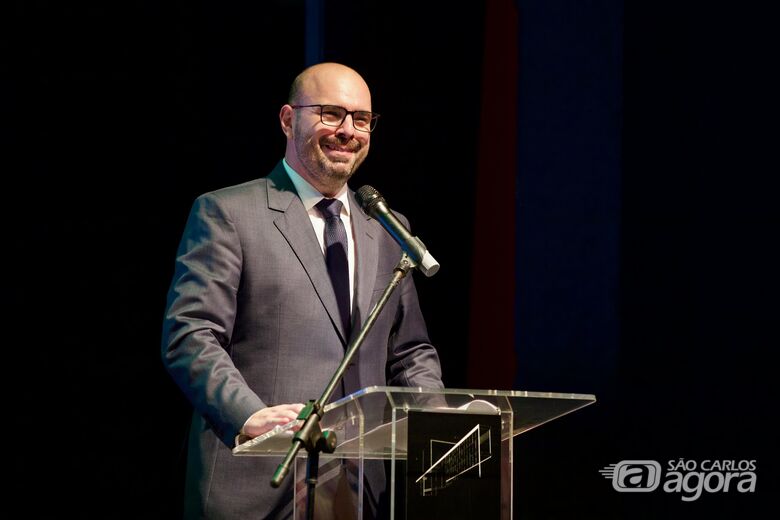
(336,256)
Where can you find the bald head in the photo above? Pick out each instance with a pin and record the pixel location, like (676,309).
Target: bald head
(326,154)
(324,78)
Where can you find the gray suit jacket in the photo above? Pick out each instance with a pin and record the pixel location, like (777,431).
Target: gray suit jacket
(252,321)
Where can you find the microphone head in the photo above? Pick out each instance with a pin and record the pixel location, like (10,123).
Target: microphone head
(368,197)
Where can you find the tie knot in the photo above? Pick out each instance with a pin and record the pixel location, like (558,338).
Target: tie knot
(329,207)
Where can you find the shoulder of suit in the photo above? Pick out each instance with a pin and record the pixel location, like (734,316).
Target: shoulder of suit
(245,189)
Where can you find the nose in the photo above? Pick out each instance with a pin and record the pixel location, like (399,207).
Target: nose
(345,128)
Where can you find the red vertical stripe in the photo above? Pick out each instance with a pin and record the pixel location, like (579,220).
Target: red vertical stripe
(491,327)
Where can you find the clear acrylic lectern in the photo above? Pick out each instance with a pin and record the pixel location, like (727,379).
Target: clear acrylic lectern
(447,453)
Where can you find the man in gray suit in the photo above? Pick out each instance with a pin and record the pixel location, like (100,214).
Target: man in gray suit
(253,326)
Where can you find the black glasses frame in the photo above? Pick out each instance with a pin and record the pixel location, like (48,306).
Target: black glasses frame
(371,126)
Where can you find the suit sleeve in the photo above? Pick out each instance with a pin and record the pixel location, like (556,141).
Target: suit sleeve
(199,319)
(412,360)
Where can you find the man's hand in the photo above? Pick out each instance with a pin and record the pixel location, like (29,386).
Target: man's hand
(266,419)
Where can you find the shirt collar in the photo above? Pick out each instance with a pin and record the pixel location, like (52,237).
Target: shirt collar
(309,195)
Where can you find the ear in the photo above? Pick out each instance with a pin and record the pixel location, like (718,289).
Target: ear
(285,118)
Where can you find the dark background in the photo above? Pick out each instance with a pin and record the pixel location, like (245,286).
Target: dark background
(643,239)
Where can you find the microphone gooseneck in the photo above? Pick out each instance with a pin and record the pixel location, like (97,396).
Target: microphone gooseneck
(375,205)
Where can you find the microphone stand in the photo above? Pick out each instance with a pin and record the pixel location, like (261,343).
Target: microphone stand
(311,436)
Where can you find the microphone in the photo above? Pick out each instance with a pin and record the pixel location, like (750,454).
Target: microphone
(375,205)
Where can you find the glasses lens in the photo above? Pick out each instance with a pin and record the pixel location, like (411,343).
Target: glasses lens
(333,115)
(362,120)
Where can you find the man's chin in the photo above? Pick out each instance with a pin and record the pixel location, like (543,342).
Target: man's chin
(340,169)
(341,175)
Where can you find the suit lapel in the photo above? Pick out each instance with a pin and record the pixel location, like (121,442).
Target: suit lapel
(294,224)
(367,258)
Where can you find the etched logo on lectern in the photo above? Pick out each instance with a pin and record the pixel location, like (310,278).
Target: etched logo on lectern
(453,468)
(448,461)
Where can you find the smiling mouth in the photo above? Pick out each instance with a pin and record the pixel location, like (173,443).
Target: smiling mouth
(335,144)
(338,148)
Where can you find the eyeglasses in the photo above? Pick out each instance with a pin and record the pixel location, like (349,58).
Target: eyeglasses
(332,115)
